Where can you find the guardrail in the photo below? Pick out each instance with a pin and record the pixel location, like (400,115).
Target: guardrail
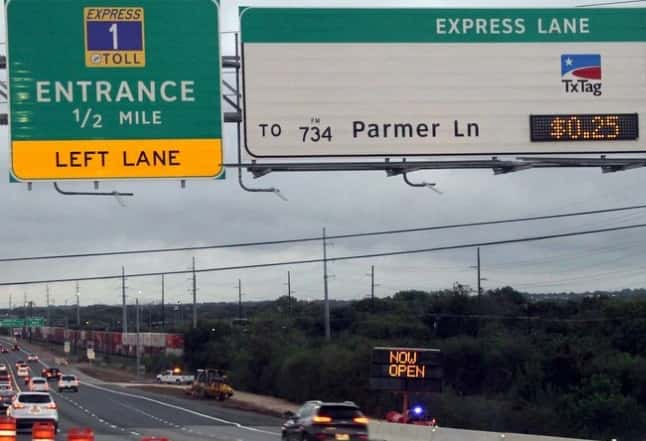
(382,431)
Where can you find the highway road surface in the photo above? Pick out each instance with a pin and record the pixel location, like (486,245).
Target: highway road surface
(116,413)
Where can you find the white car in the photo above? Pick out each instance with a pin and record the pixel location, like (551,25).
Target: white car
(33,407)
(32,358)
(174,377)
(23,371)
(68,382)
(38,384)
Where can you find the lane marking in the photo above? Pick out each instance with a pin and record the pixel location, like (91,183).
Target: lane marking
(189,411)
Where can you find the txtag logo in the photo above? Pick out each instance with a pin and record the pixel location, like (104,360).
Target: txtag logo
(581,73)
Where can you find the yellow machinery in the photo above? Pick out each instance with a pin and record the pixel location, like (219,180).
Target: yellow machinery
(210,383)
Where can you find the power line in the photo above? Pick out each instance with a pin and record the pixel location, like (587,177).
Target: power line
(336,259)
(319,238)
(624,2)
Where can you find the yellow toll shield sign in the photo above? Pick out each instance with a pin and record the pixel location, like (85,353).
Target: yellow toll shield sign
(99,90)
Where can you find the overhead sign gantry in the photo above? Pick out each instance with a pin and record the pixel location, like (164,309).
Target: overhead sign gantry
(102,90)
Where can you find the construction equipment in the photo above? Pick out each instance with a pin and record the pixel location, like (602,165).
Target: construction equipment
(210,383)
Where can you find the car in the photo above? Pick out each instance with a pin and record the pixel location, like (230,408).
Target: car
(23,371)
(5,377)
(38,384)
(32,358)
(4,350)
(20,363)
(33,407)
(3,367)
(51,374)
(68,382)
(320,421)
(7,395)
(15,347)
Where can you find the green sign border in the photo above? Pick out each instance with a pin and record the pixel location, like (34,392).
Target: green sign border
(12,178)
(417,25)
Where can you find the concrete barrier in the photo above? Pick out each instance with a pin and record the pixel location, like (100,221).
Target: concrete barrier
(382,431)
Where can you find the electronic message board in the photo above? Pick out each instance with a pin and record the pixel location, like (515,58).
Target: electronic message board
(406,369)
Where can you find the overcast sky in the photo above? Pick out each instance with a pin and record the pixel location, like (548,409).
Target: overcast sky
(162,214)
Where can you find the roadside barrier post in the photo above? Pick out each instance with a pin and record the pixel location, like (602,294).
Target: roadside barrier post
(7,429)
(43,432)
(78,434)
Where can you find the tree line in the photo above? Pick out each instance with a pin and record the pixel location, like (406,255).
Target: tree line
(511,363)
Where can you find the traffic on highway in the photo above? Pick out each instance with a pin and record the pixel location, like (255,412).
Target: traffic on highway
(112,412)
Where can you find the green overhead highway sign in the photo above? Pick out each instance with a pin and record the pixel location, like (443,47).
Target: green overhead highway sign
(114,89)
(32,322)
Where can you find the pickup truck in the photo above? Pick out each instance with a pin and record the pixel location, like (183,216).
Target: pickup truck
(170,377)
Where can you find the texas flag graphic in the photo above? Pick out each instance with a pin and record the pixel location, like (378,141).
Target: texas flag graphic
(581,66)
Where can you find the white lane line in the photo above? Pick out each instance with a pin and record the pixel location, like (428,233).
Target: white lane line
(192,412)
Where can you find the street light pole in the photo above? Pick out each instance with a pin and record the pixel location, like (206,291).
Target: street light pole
(326,300)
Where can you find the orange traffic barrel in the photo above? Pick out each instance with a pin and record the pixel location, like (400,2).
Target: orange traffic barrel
(43,432)
(77,434)
(7,429)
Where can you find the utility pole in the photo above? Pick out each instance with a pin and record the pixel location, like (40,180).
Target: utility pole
(31,314)
(479,279)
(326,300)
(24,313)
(163,308)
(124,307)
(372,287)
(78,306)
(49,309)
(138,350)
(289,292)
(239,299)
(194,296)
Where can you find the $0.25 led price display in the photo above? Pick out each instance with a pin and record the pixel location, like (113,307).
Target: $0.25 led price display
(588,127)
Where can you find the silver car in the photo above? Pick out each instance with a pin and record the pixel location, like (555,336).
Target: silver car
(38,384)
(33,407)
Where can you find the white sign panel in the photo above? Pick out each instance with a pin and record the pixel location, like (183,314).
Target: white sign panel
(353,82)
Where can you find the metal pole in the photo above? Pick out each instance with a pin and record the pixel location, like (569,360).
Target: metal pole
(163,308)
(138,350)
(372,287)
(124,307)
(239,299)
(194,296)
(478,258)
(78,306)
(31,314)
(289,292)
(326,314)
(405,403)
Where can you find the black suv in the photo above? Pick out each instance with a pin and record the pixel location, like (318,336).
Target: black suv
(321,421)
(51,374)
